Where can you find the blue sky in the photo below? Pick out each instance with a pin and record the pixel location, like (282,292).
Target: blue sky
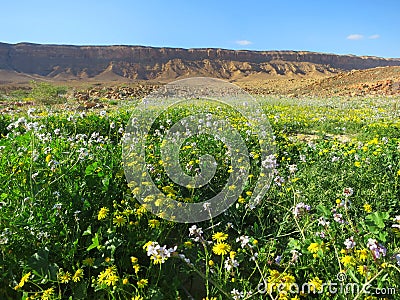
(342,27)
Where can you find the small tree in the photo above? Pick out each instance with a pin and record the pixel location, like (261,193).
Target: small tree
(47,93)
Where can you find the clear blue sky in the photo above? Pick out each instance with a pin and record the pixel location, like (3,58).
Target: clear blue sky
(342,27)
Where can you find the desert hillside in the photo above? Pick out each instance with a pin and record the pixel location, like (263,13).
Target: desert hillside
(23,62)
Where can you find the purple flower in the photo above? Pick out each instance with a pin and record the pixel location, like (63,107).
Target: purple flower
(301,209)
(270,162)
(397,257)
(338,218)
(323,222)
(377,249)
(350,243)
(295,255)
(279,180)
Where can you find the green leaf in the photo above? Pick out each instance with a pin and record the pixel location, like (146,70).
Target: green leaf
(155,294)
(39,261)
(106,183)
(294,244)
(382,236)
(95,242)
(353,276)
(372,228)
(324,210)
(378,218)
(90,169)
(86,204)
(88,231)
(40,265)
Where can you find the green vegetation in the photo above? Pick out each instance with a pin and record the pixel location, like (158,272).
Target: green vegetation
(46,93)
(71,227)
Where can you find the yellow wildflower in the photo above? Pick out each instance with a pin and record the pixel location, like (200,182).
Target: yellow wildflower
(78,275)
(24,279)
(142,283)
(219,236)
(221,248)
(347,260)
(140,211)
(136,268)
(47,294)
(362,254)
(362,270)
(64,277)
(102,213)
(313,248)
(48,158)
(89,261)
(147,245)
(367,208)
(188,244)
(153,223)
(119,220)
(111,280)
(315,284)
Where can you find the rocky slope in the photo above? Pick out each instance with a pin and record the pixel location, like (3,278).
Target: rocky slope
(24,61)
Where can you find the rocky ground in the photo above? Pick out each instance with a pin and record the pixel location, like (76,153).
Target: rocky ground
(381,81)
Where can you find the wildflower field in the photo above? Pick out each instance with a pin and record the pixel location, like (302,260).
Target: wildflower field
(72,228)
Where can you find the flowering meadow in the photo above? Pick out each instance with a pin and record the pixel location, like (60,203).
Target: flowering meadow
(72,228)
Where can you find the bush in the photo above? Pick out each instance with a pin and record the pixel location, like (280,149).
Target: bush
(46,93)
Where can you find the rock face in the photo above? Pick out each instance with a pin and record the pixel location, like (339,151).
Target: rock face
(113,63)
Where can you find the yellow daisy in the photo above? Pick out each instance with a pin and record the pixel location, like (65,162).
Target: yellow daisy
(119,220)
(102,213)
(347,260)
(89,261)
(313,248)
(142,283)
(153,223)
(78,275)
(315,284)
(47,294)
(221,248)
(367,207)
(24,279)
(111,280)
(64,277)
(219,236)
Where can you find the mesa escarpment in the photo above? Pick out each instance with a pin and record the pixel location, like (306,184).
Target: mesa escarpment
(126,63)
